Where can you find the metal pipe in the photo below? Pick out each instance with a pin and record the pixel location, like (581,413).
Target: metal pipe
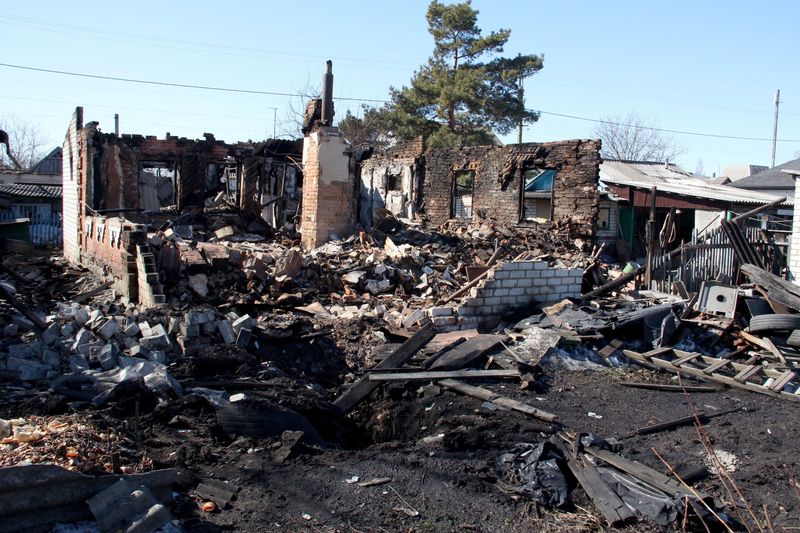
(327,94)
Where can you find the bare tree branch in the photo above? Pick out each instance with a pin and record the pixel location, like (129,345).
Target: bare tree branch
(27,144)
(292,123)
(633,137)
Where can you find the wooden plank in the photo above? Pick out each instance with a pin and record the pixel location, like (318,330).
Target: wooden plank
(778,289)
(610,505)
(652,477)
(781,382)
(609,349)
(717,366)
(613,284)
(467,352)
(685,359)
(669,388)
(497,399)
(444,374)
(747,373)
(364,387)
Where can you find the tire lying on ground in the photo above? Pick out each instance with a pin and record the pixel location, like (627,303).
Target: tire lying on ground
(794,338)
(259,420)
(774,323)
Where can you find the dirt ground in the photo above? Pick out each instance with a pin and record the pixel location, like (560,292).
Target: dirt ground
(438,451)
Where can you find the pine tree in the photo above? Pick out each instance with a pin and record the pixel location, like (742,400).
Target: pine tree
(462,95)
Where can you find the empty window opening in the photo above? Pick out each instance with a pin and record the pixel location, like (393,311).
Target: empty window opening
(393,182)
(156,184)
(463,186)
(537,194)
(603,218)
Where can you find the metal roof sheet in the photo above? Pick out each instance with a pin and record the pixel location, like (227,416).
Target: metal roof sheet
(673,179)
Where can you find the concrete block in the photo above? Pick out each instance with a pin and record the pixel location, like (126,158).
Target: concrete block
(519,291)
(31,371)
(52,333)
(51,358)
(144,329)
(509,266)
(243,338)
(140,351)
(107,357)
(414,317)
(244,321)
(78,364)
(549,273)
(155,342)
(500,292)
(540,265)
(440,311)
(209,328)
(226,330)
(158,356)
(107,330)
(502,274)
(173,325)
(131,330)
(198,317)
(158,329)
(189,330)
(84,336)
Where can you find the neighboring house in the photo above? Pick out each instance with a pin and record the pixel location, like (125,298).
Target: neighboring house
(772,181)
(35,195)
(736,172)
(699,205)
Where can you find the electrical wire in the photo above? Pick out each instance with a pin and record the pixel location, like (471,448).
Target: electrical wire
(272,93)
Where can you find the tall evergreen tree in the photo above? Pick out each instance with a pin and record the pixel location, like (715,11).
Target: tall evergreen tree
(462,95)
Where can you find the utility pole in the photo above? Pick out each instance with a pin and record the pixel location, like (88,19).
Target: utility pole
(775,127)
(521,99)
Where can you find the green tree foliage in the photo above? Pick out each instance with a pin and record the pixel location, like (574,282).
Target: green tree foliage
(464,93)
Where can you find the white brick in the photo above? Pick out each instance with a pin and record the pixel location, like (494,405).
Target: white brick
(548,273)
(502,275)
(516,292)
(500,292)
(509,266)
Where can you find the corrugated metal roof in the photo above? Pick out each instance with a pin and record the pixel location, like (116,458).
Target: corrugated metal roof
(673,179)
(30,190)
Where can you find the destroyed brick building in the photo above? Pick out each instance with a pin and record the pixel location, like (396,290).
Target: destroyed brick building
(116,185)
(514,185)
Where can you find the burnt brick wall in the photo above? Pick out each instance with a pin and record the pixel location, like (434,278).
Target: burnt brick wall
(109,250)
(498,180)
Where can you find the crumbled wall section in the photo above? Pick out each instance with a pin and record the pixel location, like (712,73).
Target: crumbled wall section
(109,250)
(404,162)
(498,180)
(71,181)
(512,285)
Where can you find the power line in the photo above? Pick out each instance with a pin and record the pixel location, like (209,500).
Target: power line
(169,84)
(272,93)
(663,130)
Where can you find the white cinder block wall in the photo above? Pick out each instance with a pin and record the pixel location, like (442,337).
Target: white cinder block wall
(511,286)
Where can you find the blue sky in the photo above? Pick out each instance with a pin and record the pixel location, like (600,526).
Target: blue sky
(706,67)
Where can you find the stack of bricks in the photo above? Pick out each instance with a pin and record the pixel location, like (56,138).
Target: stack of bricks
(149,287)
(510,286)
